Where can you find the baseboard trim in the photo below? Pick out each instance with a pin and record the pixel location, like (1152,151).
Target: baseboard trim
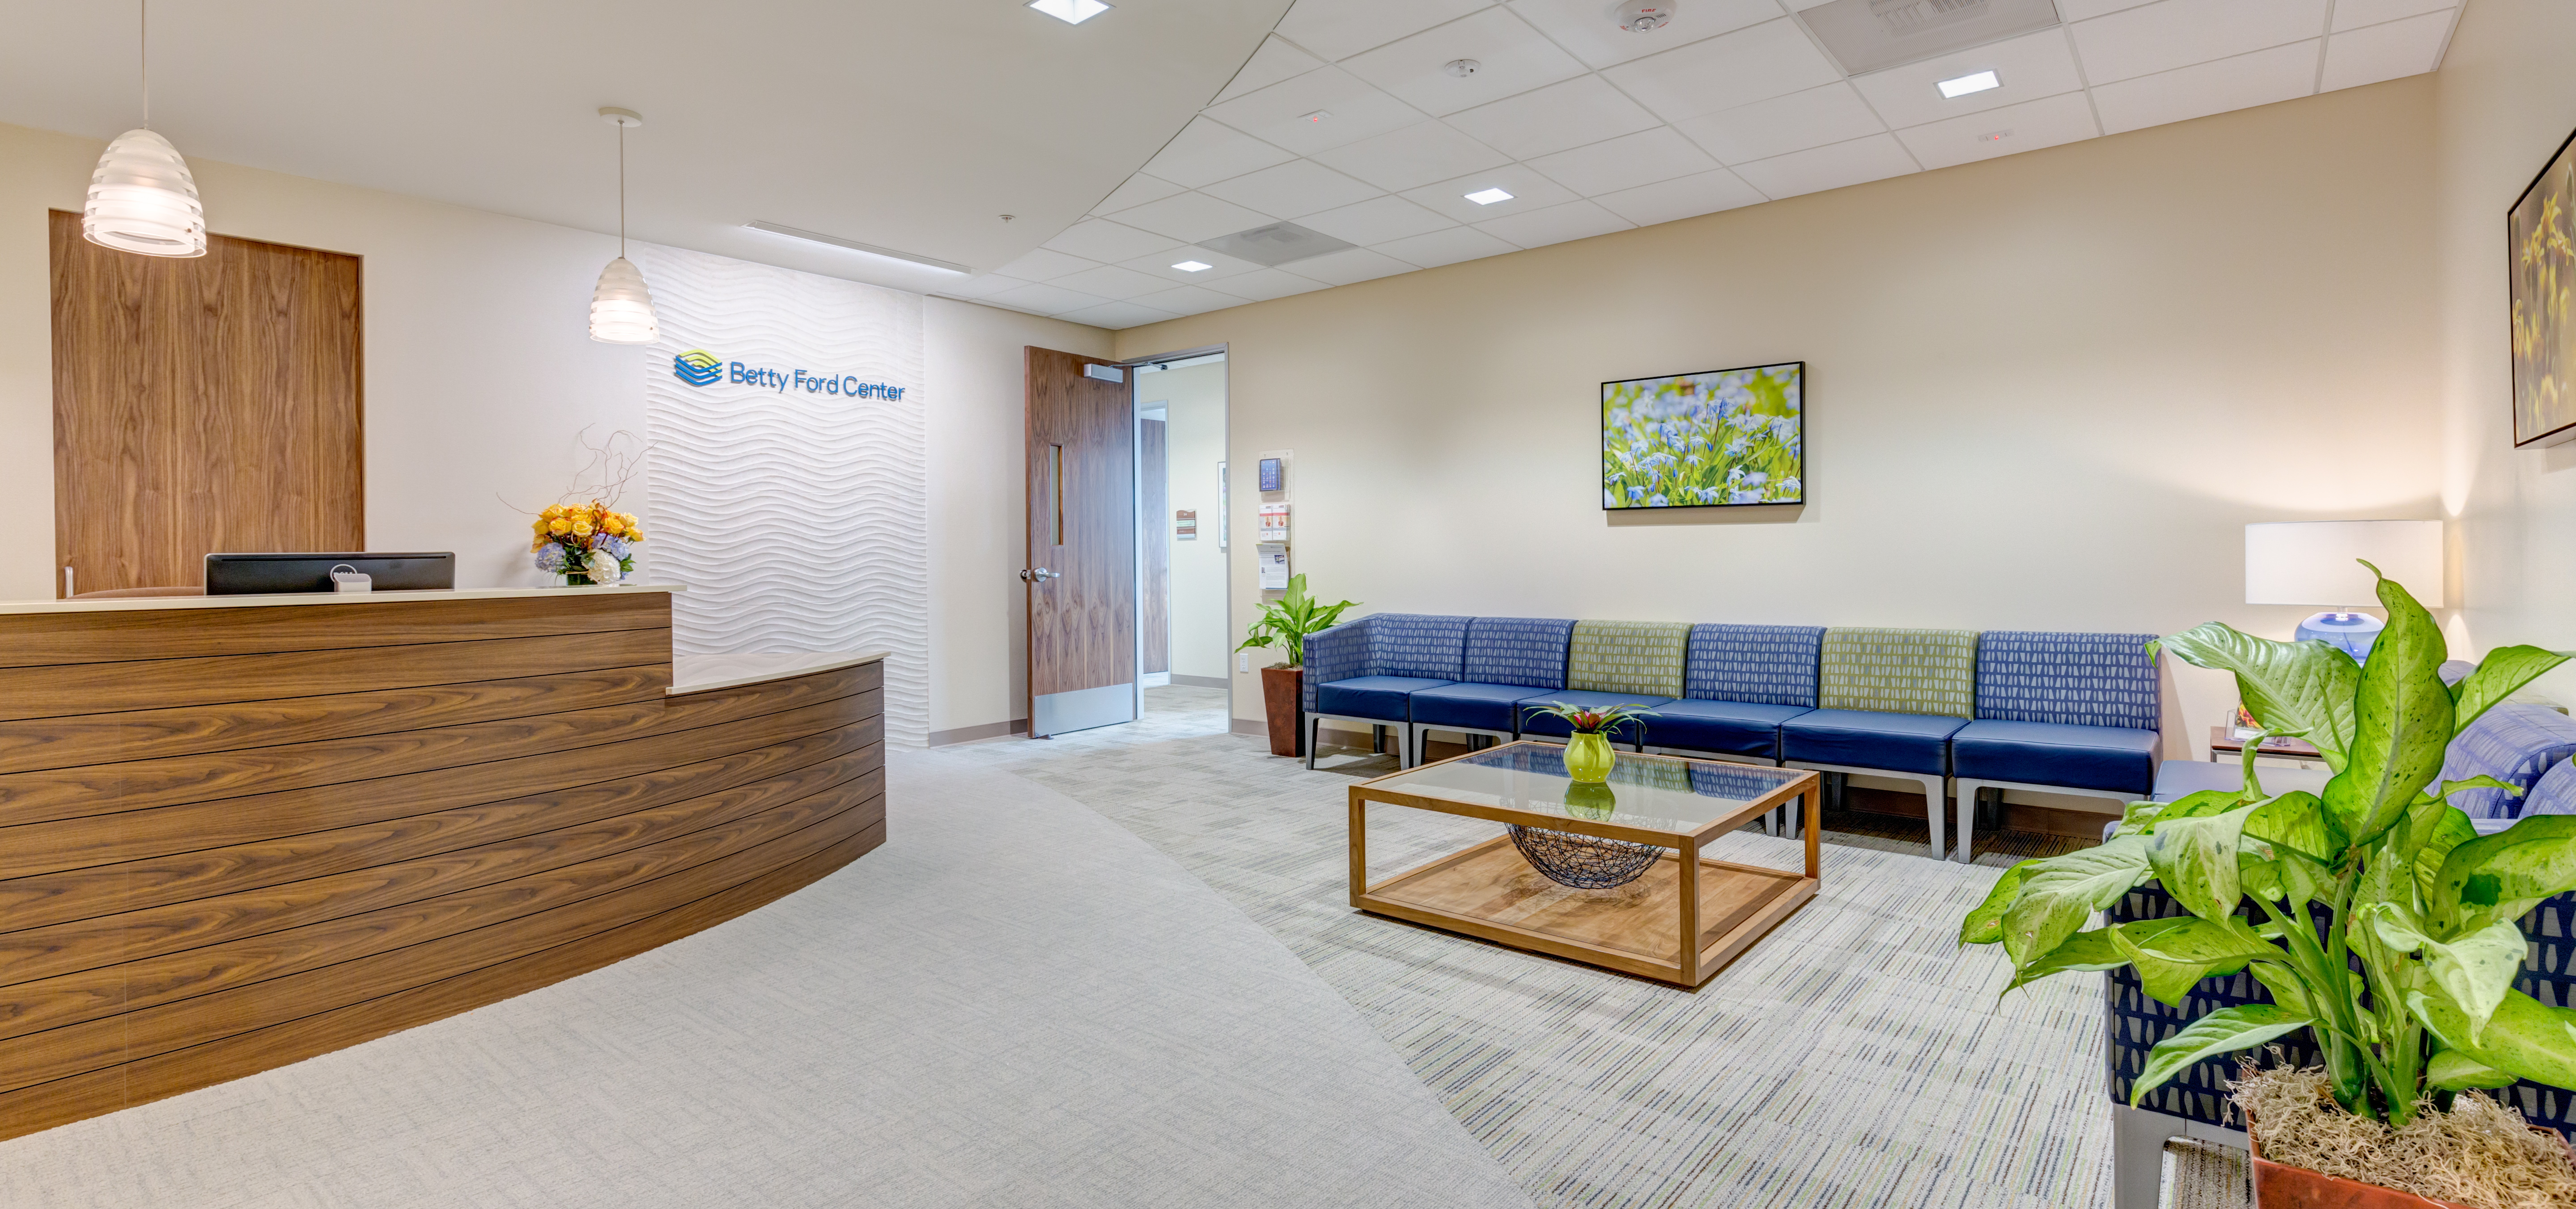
(1258,728)
(971,734)
(1200,681)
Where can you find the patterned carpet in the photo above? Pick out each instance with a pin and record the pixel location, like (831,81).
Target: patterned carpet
(1854,1058)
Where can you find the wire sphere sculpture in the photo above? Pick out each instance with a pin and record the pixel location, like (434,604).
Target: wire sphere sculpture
(1581,861)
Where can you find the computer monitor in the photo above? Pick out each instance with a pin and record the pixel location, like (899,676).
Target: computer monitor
(266,574)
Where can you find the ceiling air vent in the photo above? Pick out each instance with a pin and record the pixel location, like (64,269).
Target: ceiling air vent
(1867,35)
(1276,244)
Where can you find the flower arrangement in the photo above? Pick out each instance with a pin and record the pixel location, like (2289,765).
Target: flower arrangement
(588,543)
(1591,721)
(1697,439)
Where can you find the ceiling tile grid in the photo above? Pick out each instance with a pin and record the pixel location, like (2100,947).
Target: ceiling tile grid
(1371,121)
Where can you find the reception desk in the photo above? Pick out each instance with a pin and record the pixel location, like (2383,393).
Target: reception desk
(236,832)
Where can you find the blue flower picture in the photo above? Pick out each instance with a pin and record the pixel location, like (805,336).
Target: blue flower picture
(1719,439)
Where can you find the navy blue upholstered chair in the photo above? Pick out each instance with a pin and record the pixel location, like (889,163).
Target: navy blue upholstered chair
(1739,683)
(2516,743)
(1404,653)
(2068,714)
(1888,700)
(1506,657)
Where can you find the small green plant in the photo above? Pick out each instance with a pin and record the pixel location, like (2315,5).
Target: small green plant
(1588,721)
(2379,872)
(1287,621)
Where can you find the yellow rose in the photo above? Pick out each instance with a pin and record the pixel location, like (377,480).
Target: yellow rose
(581,528)
(611,523)
(552,511)
(559,526)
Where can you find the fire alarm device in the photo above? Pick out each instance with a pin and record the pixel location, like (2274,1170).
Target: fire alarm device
(1638,18)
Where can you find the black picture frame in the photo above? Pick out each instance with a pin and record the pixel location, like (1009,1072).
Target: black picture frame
(2532,426)
(1601,417)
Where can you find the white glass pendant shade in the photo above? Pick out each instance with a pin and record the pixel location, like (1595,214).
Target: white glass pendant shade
(621,309)
(141,199)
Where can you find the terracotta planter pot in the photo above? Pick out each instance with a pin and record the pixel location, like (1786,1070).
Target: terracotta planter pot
(2277,1186)
(1283,698)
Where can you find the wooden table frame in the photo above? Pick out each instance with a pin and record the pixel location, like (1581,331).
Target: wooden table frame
(1776,894)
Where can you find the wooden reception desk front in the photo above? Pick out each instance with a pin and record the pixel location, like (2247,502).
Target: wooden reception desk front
(236,832)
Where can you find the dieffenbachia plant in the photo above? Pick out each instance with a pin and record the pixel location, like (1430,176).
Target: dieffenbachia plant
(1287,621)
(2379,872)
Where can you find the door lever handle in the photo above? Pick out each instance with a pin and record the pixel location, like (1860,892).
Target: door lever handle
(1039,575)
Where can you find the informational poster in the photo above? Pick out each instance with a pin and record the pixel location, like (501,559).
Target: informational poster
(1185,525)
(1274,522)
(1274,567)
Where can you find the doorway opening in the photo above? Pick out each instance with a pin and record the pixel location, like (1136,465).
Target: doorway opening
(1184,637)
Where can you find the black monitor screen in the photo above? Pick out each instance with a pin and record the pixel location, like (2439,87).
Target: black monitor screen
(265,574)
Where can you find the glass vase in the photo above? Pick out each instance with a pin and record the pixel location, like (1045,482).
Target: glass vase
(1588,758)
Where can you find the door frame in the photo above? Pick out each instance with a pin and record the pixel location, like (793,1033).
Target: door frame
(1226,442)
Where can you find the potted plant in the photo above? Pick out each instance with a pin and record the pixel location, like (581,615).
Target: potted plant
(1587,751)
(1284,623)
(2379,919)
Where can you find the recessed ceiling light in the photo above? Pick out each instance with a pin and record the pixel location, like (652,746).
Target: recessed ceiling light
(1071,12)
(1964,85)
(1487,197)
(1192,266)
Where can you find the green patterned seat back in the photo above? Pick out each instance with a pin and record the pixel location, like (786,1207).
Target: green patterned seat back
(1641,657)
(1900,671)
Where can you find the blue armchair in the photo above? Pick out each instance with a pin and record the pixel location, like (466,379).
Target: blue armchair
(2068,714)
(1365,672)
(1506,657)
(1739,684)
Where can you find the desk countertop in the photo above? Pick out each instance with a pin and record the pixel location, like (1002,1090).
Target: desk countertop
(118,604)
(702,673)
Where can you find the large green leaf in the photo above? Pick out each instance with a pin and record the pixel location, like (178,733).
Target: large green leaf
(1985,922)
(2501,876)
(2298,819)
(2452,1070)
(2062,892)
(2092,950)
(2194,805)
(2196,860)
(2402,721)
(2444,832)
(2502,673)
(2524,1036)
(2219,1032)
(2173,954)
(2292,688)
(2473,971)
(2289,988)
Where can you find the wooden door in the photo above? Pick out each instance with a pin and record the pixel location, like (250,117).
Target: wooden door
(1082,543)
(201,405)
(1154,549)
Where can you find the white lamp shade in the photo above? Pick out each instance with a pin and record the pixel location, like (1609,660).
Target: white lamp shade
(621,309)
(2314,562)
(141,199)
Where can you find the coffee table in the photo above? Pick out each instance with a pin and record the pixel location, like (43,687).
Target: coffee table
(1659,925)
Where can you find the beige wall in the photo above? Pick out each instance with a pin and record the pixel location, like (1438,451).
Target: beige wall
(480,372)
(2045,391)
(1196,400)
(2504,100)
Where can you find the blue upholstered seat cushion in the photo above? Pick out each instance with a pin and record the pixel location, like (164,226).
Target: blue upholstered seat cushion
(1735,728)
(1916,743)
(1474,706)
(1542,724)
(2117,758)
(1379,697)
(2514,742)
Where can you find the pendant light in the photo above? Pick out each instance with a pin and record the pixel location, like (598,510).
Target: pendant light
(621,309)
(141,198)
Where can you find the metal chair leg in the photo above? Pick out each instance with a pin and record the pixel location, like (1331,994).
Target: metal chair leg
(1314,731)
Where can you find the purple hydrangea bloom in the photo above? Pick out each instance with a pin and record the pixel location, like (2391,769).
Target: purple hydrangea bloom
(551,557)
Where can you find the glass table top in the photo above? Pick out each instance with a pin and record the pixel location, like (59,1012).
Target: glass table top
(1650,793)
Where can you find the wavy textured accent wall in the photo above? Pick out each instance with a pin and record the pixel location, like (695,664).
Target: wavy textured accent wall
(799,519)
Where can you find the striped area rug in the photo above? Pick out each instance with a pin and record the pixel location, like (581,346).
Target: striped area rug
(1854,1058)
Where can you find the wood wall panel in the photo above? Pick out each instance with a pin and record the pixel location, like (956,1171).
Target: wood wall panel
(202,404)
(216,880)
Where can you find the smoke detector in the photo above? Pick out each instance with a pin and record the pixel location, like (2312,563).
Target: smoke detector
(1462,68)
(1638,17)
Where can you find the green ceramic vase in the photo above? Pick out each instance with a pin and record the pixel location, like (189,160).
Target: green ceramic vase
(1588,758)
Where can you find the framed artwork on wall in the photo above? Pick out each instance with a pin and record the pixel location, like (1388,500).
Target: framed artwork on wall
(2543,275)
(1725,438)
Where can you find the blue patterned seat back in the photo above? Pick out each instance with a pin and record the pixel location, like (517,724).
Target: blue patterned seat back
(2067,679)
(1754,664)
(2136,1023)
(1417,644)
(2556,792)
(2514,743)
(1336,654)
(1517,650)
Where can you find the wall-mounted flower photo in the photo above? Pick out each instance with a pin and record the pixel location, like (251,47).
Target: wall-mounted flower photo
(1732,436)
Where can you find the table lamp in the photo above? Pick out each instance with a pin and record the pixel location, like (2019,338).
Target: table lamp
(2315,563)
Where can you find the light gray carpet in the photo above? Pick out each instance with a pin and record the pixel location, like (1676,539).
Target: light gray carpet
(1013,1003)
(1855,1058)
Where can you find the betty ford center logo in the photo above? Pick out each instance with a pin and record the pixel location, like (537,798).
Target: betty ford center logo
(697,367)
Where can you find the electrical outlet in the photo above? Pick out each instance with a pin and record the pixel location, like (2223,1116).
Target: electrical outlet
(1243,661)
